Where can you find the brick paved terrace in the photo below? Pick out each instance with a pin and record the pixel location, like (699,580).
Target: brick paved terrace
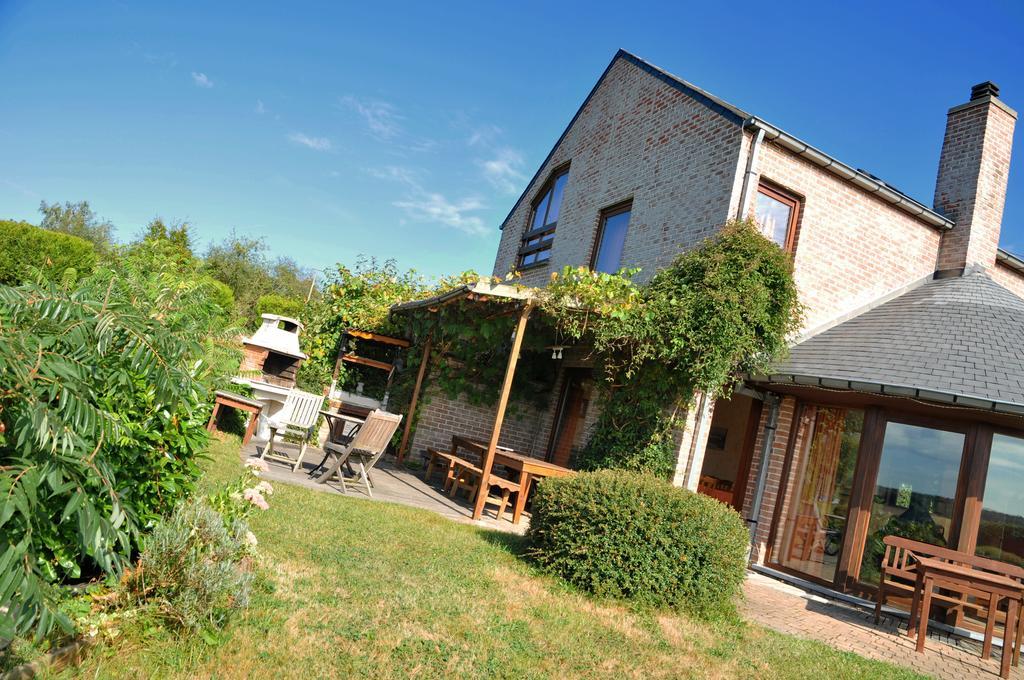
(790,610)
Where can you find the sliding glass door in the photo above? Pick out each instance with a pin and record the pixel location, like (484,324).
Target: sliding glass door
(854,476)
(915,490)
(810,535)
(1001,534)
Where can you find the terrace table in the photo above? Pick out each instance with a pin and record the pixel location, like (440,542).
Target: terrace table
(528,467)
(963,579)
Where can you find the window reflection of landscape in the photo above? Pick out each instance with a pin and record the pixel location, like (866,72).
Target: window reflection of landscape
(1001,534)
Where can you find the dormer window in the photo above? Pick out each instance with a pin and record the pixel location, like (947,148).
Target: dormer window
(540,234)
(776,212)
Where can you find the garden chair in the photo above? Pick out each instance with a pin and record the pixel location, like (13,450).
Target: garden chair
(297,418)
(341,430)
(365,450)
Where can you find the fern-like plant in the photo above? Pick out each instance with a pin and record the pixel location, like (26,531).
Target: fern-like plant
(101,420)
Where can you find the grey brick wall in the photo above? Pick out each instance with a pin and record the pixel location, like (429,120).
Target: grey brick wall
(637,138)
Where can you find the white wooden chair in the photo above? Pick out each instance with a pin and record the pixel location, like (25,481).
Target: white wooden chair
(298,418)
(365,450)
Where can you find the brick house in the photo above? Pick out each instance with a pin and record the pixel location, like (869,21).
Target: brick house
(902,402)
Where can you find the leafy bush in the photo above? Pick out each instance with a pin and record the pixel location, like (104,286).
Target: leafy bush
(628,535)
(280,305)
(24,247)
(101,422)
(193,567)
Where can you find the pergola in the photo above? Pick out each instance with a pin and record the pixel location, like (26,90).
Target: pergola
(521,303)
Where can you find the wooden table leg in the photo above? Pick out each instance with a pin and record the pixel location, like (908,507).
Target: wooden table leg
(990,626)
(524,488)
(915,604)
(1020,637)
(1008,634)
(254,419)
(212,425)
(926,604)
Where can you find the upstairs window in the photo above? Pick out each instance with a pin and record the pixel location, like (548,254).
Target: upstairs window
(776,213)
(611,237)
(540,234)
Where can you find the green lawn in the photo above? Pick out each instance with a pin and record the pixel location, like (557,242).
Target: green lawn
(356,588)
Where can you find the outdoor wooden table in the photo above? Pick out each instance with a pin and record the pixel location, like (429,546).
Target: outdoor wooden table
(232,400)
(529,468)
(963,579)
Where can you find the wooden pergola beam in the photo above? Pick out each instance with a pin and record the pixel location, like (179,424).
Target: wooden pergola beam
(499,417)
(415,399)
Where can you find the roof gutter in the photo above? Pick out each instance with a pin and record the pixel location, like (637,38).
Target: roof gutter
(1010,260)
(906,391)
(855,177)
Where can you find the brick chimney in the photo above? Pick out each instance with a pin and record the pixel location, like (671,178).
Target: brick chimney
(971,186)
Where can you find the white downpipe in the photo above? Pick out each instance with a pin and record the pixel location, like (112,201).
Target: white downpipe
(748,177)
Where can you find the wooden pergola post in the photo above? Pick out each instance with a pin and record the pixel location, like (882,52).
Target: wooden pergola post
(499,417)
(415,399)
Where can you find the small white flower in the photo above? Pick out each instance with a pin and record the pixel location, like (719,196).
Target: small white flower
(256,498)
(265,488)
(257,464)
(250,539)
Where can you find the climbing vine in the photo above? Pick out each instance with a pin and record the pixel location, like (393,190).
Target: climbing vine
(718,311)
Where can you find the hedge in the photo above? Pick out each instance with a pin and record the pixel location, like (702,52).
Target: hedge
(633,536)
(24,247)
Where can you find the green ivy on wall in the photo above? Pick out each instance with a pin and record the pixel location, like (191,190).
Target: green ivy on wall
(718,311)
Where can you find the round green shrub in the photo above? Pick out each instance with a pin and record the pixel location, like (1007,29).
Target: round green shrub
(24,247)
(634,536)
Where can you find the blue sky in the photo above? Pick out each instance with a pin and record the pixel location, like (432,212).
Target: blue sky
(338,129)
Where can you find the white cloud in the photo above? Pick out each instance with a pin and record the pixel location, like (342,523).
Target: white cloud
(24,191)
(201,80)
(260,109)
(315,143)
(484,135)
(434,207)
(380,117)
(398,173)
(166,60)
(430,206)
(504,170)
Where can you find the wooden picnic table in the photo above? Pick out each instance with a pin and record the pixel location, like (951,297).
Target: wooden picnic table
(932,573)
(528,467)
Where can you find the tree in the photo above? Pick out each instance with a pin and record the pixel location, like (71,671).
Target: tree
(242,264)
(78,219)
(177,235)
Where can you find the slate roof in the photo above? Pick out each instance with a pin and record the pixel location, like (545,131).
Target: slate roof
(955,340)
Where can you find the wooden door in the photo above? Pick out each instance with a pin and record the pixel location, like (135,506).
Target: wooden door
(572,409)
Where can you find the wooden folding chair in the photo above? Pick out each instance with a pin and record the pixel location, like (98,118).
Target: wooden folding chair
(365,450)
(298,417)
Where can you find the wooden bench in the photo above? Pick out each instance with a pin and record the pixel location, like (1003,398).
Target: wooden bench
(462,475)
(438,458)
(899,575)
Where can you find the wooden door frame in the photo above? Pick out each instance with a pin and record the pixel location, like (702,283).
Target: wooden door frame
(739,487)
(560,405)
